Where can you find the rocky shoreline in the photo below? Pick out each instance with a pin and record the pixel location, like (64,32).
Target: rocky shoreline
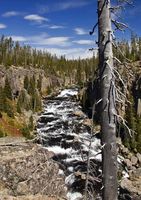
(27,172)
(130,170)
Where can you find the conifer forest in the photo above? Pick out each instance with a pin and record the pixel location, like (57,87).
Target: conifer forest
(70,100)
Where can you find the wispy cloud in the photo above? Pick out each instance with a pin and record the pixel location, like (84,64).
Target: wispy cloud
(35,18)
(3,26)
(80,31)
(63,6)
(51,26)
(18,38)
(56,27)
(43,40)
(70,53)
(84,42)
(55,45)
(53,41)
(10,14)
(70,4)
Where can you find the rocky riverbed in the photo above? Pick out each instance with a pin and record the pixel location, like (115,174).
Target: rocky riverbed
(65,130)
(56,168)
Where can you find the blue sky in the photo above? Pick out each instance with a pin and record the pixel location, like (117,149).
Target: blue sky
(59,26)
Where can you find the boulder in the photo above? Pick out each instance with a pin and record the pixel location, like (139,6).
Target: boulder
(134,187)
(79,113)
(87,122)
(134,160)
(128,163)
(27,169)
(124,150)
(139,157)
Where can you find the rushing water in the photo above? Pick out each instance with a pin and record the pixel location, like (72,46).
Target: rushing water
(63,131)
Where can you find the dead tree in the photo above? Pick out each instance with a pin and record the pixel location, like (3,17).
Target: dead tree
(110,95)
(108,112)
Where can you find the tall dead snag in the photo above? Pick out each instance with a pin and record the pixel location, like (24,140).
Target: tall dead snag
(108,113)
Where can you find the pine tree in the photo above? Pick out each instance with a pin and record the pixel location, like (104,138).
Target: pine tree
(26,83)
(138,135)
(32,85)
(31,124)
(23,101)
(7,89)
(39,83)
(2,100)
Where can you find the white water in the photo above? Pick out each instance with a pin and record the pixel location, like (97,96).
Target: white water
(64,133)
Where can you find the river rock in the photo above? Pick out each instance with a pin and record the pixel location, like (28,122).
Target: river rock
(128,163)
(87,122)
(134,160)
(125,150)
(79,113)
(139,157)
(30,197)
(134,187)
(137,173)
(22,188)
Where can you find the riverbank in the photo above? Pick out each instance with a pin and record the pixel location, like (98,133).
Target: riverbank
(28,172)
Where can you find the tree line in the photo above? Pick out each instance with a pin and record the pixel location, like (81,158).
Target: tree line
(13,53)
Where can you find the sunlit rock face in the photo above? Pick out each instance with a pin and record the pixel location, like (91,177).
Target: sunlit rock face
(27,172)
(16,76)
(63,130)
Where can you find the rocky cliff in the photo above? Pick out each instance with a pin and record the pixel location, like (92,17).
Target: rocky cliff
(16,76)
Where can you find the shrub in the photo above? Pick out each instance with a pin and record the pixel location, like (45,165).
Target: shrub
(26,132)
(1,134)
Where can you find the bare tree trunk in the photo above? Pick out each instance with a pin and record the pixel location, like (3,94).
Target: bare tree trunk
(107,85)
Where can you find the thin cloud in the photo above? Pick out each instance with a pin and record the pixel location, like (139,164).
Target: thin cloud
(18,38)
(43,40)
(3,26)
(69,53)
(84,42)
(56,45)
(53,41)
(63,6)
(51,26)
(10,14)
(56,27)
(80,31)
(35,18)
(69,5)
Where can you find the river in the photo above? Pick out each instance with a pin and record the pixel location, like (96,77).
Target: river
(64,130)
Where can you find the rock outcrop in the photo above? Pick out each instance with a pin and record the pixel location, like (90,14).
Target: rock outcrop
(131,174)
(27,172)
(16,77)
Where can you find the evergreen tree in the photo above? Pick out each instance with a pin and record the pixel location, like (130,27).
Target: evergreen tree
(138,135)
(7,89)
(2,100)
(130,117)
(23,101)
(26,83)
(9,108)
(36,101)
(31,124)
(39,83)
(32,85)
